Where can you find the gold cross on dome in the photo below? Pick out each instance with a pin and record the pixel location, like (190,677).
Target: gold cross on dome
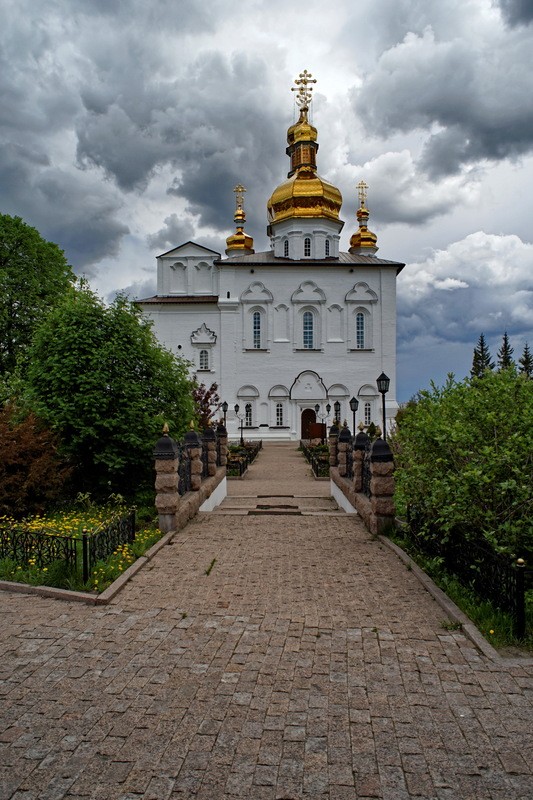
(303,89)
(362,190)
(239,195)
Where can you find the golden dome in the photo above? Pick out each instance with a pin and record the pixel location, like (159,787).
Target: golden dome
(305,194)
(363,239)
(239,241)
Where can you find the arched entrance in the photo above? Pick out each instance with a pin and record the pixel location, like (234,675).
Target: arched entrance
(308,419)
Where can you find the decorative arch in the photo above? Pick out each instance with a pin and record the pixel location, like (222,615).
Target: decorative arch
(256,293)
(308,292)
(367,391)
(203,336)
(308,386)
(248,391)
(361,293)
(279,391)
(337,390)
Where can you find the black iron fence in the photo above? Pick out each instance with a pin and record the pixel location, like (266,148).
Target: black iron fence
(43,548)
(239,458)
(366,471)
(318,459)
(184,469)
(349,461)
(497,577)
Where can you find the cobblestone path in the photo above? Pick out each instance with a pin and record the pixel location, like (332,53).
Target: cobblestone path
(308,663)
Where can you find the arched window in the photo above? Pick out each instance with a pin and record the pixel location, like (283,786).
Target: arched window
(307,247)
(204,359)
(360,330)
(248,415)
(286,248)
(279,414)
(256,330)
(308,330)
(368,413)
(327,247)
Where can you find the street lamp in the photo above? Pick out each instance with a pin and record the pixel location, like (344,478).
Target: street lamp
(225,411)
(241,417)
(354,405)
(328,409)
(337,407)
(383,383)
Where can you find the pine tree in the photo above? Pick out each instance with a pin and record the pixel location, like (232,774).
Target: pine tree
(482,359)
(505,353)
(526,362)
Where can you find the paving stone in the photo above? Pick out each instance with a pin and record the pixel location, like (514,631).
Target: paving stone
(310,663)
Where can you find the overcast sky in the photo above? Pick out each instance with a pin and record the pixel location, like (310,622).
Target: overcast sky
(125,125)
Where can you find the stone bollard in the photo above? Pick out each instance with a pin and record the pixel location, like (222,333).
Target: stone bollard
(381,486)
(167,498)
(332,443)
(359,447)
(194,446)
(209,440)
(222,443)
(343,444)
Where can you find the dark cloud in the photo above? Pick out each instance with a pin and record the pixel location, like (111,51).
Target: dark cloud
(476,97)
(174,232)
(517,12)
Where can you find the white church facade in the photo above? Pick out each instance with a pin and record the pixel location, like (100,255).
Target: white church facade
(288,333)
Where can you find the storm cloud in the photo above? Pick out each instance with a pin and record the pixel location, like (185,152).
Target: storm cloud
(125,127)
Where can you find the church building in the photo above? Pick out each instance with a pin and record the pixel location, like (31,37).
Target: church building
(289,333)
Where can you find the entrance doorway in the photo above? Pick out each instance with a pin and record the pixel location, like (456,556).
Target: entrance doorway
(308,419)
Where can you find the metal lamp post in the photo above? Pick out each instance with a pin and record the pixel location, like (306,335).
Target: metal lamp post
(225,411)
(383,383)
(328,409)
(241,417)
(354,405)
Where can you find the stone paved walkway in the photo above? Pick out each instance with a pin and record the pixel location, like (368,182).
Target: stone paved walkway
(308,663)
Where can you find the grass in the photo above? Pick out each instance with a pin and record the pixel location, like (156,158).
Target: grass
(210,567)
(495,625)
(72,524)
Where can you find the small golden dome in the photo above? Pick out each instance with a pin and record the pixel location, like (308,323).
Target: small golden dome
(302,131)
(239,241)
(363,239)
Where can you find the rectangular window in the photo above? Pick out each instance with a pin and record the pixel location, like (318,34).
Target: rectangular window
(279,414)
(308,330)
(257,330)
(368,413)
(248,415)
(360,331)
(204,359)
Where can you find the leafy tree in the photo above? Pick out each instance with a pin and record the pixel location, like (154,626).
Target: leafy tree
(482,360)
(32,474)
(505,353)
(207,402)
(526,362)
(464,461)
(98,377)
(34,275)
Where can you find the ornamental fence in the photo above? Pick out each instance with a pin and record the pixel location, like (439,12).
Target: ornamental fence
(78,553)
(318,460)
(501,579)
(240,459)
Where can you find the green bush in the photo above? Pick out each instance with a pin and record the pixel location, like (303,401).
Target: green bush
(464,456)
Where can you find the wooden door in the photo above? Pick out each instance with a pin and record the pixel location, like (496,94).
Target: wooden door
(308,418)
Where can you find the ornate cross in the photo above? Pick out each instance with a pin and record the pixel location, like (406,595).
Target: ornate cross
(362,190)
(303,89)
(239,195)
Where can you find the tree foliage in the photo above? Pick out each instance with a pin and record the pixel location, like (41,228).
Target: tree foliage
(34,275)
(505,353)
(464,454)
(482,359)
(526,362)
(32,473)
(98,377)
(207,402)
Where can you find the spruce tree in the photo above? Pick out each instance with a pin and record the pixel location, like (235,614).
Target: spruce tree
(482,359)
(526,362)
(505,353)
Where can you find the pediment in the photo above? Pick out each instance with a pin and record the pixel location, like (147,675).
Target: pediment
(361,293)
(256,293)
(203,335)
(308,386)
(190,250)
(308,292)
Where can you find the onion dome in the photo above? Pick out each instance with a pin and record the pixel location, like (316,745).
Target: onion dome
(364,241)
(304,194)
(239,242)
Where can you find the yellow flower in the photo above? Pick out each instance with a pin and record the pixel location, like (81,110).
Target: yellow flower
(491,631)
